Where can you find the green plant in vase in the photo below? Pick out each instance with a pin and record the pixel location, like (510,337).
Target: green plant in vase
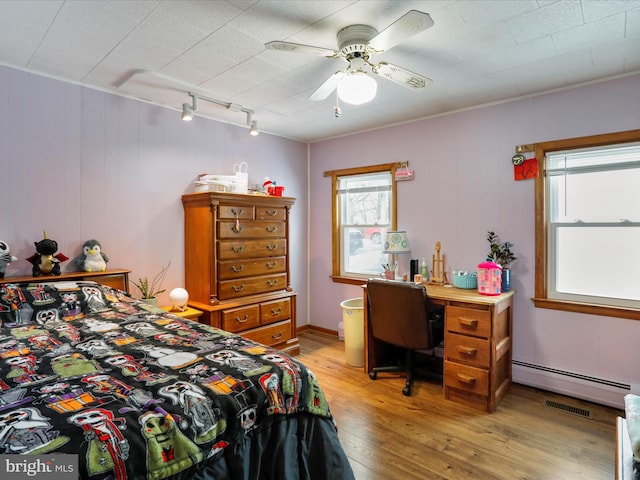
(150,289)
(502,254)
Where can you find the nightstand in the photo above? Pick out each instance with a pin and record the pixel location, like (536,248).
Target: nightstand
(189,313)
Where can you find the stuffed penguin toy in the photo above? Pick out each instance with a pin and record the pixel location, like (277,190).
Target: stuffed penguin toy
(5,257)
(91,259)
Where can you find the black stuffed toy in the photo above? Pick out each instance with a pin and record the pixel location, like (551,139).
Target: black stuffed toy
(45,261)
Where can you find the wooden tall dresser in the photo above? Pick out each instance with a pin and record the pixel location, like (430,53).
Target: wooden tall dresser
(237,265)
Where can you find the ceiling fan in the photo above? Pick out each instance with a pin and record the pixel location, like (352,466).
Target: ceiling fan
(357,44)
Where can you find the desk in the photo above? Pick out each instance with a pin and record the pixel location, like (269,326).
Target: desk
(477,345)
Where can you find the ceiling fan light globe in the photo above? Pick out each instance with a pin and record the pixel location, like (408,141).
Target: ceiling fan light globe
(357,88)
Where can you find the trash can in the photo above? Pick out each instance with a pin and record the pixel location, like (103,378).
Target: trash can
(353,320)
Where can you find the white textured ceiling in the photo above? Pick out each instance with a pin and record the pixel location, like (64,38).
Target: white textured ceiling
(477,52)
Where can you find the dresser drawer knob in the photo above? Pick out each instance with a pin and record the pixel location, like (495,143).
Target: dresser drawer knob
(277,337)
(238,289)
(273,282)
(237,269)
(238,211)
(469,322)
(468,351)
(272,264)
(271,246)
(242,320)
(466,378)
(271,228)
(237,228)
(239,249)
(272,213)
(275,312)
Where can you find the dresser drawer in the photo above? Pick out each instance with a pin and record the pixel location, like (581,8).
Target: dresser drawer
(271,334)
(276,310)
(464,377)
(251,286)
(239,319)
(251,229)
(230,211)
(228,250)
(249,268)
(468,350)
(270,213)
(468,321)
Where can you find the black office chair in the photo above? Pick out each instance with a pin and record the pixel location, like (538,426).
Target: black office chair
(400,314)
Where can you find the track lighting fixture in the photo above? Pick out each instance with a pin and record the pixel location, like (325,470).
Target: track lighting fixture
(188,111)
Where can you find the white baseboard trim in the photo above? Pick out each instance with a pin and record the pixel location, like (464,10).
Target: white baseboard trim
(601,391)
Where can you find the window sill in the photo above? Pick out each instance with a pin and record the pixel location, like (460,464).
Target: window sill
(589,308)
(349,280)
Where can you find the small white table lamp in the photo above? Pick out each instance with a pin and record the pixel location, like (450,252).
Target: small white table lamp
(394,243)
(179,298)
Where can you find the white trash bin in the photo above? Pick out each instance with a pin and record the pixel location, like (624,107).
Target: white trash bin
(353,319)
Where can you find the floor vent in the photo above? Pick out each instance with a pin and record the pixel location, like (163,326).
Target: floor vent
(580,412)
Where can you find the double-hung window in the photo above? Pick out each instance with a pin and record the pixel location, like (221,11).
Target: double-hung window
(588,225)
(364,209)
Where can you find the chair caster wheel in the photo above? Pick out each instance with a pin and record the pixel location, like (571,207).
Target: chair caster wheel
(373,375)
(406,391)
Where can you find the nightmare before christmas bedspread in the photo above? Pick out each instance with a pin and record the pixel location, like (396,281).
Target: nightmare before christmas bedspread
(137,393)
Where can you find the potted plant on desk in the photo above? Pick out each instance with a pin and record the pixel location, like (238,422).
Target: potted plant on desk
(501,254)
(150,289)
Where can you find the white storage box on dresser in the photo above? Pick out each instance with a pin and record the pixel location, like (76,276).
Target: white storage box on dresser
(237,265)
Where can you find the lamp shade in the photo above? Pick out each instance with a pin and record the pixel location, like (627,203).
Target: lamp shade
(396,242)
(179,298)
(357,88)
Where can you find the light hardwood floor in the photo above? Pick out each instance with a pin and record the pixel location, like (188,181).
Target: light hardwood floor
(388,436)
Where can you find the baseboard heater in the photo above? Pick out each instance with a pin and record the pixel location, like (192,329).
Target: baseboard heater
(593,389)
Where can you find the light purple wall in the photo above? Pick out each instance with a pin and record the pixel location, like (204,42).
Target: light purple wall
(463,187)
(84,164)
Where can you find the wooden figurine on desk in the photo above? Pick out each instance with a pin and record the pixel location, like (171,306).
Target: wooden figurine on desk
(438,273)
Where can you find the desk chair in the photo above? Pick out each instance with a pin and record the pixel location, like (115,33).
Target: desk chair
(400,314)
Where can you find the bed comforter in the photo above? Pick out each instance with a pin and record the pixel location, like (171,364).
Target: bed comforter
(138,393)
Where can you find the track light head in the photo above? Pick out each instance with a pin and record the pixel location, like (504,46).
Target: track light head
(187,112)
(254,128)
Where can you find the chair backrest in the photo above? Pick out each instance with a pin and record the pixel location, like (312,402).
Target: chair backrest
(399,313)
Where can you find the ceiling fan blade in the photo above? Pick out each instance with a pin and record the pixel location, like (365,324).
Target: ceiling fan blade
(300,48)
(402,76)
(327,87)
(408,25)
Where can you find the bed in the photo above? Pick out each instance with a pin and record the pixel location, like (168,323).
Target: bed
(138,393)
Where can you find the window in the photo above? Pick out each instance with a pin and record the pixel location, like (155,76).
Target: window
(364,209)
(588,225)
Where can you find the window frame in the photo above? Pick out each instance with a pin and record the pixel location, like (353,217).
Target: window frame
(336,252)
(541,298)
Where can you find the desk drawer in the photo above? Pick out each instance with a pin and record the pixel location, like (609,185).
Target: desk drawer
(464,377)
(468,350)
(271,334)
(239,319)
(468,321)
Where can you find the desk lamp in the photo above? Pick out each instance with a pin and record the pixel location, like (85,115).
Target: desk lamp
(394,243)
